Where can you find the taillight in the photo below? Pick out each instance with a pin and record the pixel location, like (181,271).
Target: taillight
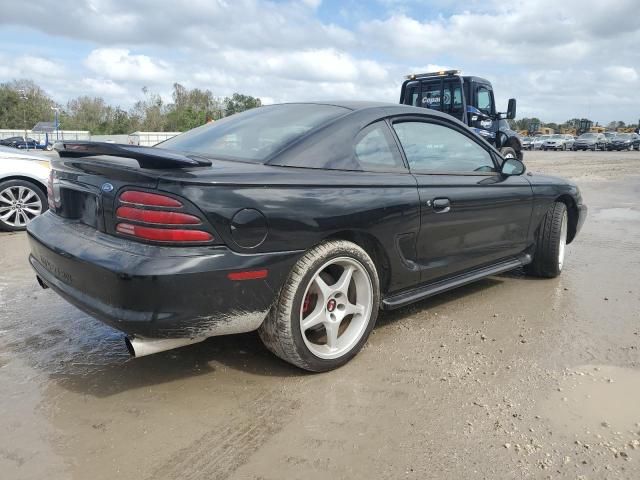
(164,234)
(146,199)
(158,218)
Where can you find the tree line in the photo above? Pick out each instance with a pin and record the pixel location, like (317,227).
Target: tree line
(533,124)
(23,104)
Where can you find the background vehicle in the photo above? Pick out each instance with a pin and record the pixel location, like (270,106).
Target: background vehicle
(591,141)
(226,236)
(636,141)
(470,100)
(539,141)
(526,143)
(621,141)
(24,144)
(558,142)
(23,180)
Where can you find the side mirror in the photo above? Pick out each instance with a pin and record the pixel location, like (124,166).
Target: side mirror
(513,166)
(511,109)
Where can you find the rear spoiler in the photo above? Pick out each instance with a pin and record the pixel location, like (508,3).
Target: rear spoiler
(147,157)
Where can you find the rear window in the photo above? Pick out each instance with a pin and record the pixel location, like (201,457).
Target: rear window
(254,135)
(445,97)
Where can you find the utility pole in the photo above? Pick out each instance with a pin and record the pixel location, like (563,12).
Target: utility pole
(56,122)
(23,96)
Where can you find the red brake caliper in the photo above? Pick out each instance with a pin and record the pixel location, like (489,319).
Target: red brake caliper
(306,305)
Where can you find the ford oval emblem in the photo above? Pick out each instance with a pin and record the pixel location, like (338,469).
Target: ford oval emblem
(107,187)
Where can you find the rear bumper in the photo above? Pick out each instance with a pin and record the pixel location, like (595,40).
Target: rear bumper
(154,291)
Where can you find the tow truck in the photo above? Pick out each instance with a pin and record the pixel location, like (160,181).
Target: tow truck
(469,99)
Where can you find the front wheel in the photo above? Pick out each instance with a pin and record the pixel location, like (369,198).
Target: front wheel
(551,241)
(326,309)
(508,152)
(20,202)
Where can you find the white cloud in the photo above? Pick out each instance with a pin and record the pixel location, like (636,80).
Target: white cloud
(119,64)
(103,88)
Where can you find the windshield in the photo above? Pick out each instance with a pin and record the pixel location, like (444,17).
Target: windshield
(588,135)
(255,134)
(609,134)
(556,137)
(624,136)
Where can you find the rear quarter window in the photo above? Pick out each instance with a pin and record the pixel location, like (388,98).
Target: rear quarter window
(375,149)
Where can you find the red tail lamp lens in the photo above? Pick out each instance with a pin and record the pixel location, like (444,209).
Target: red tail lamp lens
(149,199)
(163,234)
(248,275)
(156,216)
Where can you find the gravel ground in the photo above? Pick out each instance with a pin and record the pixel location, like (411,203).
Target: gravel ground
(511,377)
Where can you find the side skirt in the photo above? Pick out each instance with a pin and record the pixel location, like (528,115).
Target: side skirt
(409,296)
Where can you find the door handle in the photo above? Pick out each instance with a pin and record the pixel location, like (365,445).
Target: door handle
(441,205)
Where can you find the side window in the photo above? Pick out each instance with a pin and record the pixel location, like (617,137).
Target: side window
(375,149)
(430,147)
(484,100)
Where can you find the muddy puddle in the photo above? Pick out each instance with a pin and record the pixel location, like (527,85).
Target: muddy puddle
(617,214)
(593,398)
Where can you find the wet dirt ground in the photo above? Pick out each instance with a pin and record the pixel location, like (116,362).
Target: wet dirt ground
(511,377)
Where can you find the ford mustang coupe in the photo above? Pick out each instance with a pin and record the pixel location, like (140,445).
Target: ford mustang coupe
(300,221)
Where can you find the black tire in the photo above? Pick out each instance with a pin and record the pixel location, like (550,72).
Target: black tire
(546,258)
(508,152)
(6,224)
(281,332)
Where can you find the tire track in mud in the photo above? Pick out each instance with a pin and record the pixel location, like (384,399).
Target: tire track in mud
(216,455)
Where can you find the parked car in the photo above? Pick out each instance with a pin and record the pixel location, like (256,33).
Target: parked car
(622,141)
(526,143)
(539,141)
(558,142)
(23,186)
(591,141)
(25,143)
(303,227)
(636,141)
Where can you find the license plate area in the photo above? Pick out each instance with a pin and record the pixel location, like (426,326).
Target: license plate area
(79,205)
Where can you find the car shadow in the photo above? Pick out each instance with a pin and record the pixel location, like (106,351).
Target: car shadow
(243,352)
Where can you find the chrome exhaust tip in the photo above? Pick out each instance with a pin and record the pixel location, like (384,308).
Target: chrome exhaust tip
(140,346)
(41,282)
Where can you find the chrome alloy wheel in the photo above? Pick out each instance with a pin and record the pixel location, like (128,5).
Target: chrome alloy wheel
(19,205)
(336,308)
(563,241)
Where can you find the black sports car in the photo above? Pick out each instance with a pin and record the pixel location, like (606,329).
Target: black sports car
(300,221)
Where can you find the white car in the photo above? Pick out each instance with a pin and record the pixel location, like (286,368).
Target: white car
(23,187)
(539,141)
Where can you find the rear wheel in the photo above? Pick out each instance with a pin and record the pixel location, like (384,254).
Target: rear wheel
(20,202)
(551,241)
(326,309)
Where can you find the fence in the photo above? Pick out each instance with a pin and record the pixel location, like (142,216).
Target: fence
(146,139)
(149,139)
(40,137)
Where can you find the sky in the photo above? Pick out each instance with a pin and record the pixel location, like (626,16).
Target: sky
(559,59)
